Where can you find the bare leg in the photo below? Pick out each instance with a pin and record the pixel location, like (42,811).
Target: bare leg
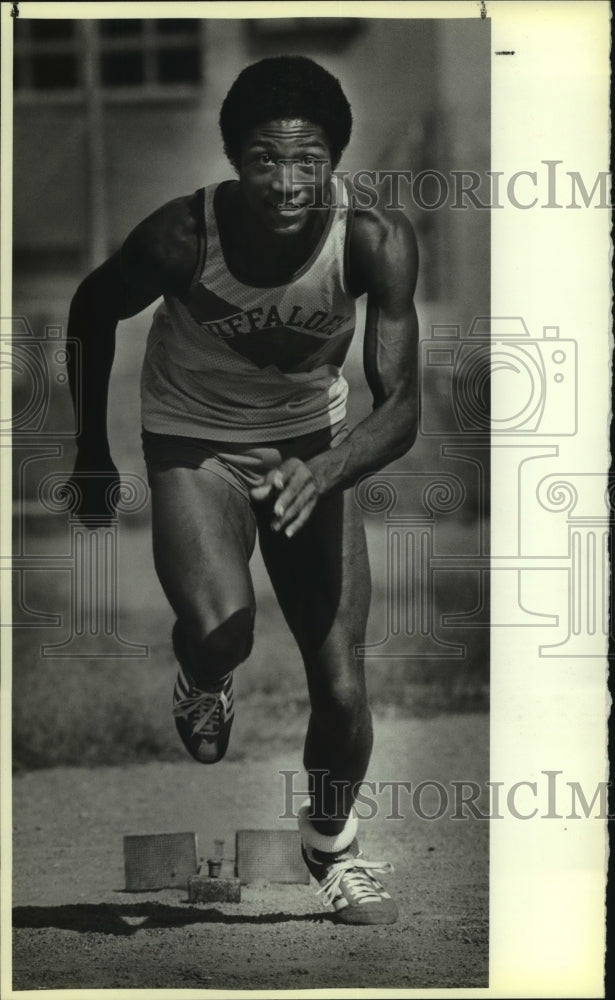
(322,581)
(203,537)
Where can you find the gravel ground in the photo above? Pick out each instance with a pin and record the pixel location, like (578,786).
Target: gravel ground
(76,928)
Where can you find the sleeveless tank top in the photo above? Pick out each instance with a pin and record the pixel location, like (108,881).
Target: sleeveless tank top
(236,362)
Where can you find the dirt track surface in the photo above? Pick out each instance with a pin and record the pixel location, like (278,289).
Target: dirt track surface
(75,927)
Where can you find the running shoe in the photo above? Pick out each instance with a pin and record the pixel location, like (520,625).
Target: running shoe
(203,718)
(347,882)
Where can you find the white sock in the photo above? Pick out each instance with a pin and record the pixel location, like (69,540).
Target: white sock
(322,842)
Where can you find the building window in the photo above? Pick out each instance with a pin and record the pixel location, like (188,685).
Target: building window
(46,55)
(154,57)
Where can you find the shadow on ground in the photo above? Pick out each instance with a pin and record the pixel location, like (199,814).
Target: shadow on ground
(107,918)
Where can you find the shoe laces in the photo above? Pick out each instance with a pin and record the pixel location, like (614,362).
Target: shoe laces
(203,707)
(357,875)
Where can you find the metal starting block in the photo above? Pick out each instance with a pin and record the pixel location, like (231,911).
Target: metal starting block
(270,855)
(170,860)
(159,860)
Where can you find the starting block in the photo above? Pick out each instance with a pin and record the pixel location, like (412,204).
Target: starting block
(218,889)
(270,855)
(159,860)
(170,860)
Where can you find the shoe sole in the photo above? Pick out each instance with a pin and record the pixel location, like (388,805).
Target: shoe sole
(377,913)
(219,751)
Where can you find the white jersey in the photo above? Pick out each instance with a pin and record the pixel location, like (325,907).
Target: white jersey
(237,362)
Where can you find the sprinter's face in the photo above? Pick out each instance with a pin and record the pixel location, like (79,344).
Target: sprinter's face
(285,168)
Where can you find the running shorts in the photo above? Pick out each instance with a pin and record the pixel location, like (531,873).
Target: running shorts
(241,465)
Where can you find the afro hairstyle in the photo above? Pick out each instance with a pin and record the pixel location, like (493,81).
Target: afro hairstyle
(285,87)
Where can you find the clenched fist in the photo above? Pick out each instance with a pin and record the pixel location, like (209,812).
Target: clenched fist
(95,485)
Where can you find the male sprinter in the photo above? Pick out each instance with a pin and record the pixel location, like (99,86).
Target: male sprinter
(243,407)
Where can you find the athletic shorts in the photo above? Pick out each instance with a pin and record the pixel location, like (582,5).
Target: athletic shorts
(240,465)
